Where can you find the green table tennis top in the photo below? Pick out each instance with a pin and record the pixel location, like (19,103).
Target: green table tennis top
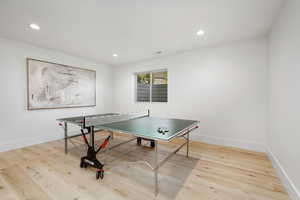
(147,127)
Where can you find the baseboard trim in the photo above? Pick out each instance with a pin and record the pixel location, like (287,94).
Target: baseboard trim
(17,144)
(286,181)
(230,142)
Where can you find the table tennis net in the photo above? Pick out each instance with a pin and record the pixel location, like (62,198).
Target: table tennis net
(101,120)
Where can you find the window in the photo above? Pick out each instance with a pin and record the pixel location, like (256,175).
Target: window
(152,86)
(143,87)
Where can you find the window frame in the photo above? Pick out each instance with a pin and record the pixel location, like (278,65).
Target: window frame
(151,83)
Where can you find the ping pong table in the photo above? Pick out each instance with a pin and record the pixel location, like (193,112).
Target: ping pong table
(138,125)
(77,121)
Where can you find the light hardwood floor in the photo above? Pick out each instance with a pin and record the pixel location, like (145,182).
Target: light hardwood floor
(211,173)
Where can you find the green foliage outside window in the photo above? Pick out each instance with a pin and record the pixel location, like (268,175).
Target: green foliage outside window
(144,78)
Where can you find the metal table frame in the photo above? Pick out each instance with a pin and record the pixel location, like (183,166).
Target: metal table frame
(154,167)
(66,121)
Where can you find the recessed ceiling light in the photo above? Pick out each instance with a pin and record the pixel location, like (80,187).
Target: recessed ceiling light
(200,32)
(115,55)
(35,26)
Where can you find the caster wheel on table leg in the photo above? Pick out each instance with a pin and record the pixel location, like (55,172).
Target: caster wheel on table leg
(83,165)
(100,174)
(139,141)
(152,143)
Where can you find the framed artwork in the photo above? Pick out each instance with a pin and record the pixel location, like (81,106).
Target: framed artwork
(51,85)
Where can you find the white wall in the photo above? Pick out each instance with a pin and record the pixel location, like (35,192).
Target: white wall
(19,127)
(284,135)
(223,87)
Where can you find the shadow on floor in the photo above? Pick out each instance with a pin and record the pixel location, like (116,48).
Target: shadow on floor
(128,161)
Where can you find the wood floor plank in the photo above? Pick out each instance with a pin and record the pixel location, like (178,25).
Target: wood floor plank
(22,184)
(212,172)
(54,185)
(6,193)
(70,173)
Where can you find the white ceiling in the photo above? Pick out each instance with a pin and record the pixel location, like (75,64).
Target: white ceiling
(134,29)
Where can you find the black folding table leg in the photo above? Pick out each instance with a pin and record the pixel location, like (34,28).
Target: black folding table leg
(152,143)
(139,141)
(92,137)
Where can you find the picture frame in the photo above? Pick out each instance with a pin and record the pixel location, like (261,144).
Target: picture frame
(56,86)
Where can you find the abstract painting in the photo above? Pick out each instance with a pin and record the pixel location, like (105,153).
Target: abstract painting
(52,85)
